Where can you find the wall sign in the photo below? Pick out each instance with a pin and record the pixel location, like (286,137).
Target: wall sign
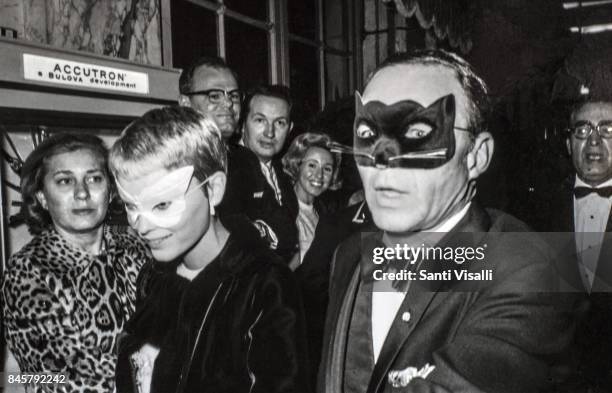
(73,73)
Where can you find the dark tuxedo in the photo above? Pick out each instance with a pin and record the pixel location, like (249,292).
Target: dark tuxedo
(592,352)
(504,337)
(248,192)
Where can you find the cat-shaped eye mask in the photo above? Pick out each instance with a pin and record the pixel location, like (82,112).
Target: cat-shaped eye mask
(404,134)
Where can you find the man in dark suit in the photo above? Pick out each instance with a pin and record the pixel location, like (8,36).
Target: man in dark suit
(420,142)
(257,185)
(590,145)
(581,207)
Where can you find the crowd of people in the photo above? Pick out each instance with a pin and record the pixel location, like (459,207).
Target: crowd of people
(236,275)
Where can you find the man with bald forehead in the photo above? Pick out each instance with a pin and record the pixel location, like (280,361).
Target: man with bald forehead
(420,143)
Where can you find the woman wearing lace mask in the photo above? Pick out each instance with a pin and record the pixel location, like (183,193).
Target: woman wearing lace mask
(217,311)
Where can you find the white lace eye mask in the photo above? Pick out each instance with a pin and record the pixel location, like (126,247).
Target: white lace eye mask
(163,202)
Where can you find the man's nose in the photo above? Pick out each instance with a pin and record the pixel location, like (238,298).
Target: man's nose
(81,191)
(385,149)
(226,102)
(594,138)
(269,130)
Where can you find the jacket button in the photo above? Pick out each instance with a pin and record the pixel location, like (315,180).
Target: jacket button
(406,316)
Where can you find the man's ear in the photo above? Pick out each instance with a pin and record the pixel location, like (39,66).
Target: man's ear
(568,145)
(40,197)
(216,187)
(184,100)
(290,127)
(479,158)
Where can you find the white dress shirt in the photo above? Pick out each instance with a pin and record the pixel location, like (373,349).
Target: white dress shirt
(590,219)
(386,302)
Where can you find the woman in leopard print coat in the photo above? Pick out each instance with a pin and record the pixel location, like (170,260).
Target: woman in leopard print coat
(68,293)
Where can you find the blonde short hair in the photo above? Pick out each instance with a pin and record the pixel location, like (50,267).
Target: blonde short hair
(173,137)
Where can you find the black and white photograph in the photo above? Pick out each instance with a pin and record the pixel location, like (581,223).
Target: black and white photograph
(306,196)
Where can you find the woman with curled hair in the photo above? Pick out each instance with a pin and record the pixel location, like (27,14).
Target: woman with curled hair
(70,290)
(217,311)
(314,169)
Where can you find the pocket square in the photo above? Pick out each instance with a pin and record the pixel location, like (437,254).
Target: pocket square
(258,194)
(401,378)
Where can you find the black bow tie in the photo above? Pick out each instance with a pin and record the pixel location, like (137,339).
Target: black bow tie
(581,192)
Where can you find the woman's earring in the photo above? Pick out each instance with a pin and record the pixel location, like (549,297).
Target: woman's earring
(41,199)
(212,207)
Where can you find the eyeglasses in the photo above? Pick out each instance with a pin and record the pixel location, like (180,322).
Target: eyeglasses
(583,129)
(215,96)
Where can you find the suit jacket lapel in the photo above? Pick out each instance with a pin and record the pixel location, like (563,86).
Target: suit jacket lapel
(603,274)
(569,223)
(344,280)
(337,348)
(418,300)
(415,304)
(602,281)
(344,265)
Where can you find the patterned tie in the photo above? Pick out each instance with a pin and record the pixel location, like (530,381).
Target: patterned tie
(270,175)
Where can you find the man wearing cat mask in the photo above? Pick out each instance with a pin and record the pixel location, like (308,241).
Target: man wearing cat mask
(420,143)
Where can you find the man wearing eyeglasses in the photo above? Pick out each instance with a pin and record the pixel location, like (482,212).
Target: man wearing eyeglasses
(581,204)
(211,87)
(577,208)
(590,146)
(583,207)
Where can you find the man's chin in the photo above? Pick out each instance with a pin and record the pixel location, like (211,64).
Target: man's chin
(395,223)
(595,176)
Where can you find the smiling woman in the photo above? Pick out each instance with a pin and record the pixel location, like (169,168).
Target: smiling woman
(314,169)
(69,291)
